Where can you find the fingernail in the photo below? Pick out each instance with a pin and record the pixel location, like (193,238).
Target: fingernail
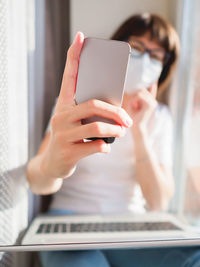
(81,36)
(129,122)
(106,148)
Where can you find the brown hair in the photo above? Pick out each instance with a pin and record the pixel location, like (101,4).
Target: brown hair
(161,32)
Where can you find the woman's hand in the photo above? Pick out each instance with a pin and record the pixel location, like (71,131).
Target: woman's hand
(140,106)
(159,187)
(65,146)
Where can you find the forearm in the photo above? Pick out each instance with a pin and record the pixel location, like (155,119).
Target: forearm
(39,182)
(157,188)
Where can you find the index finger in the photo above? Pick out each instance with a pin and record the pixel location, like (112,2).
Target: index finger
(68,86)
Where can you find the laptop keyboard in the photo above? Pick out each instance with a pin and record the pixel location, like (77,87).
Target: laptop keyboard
(105,227)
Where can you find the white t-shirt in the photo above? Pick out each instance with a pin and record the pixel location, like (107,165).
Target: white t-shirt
(106,183)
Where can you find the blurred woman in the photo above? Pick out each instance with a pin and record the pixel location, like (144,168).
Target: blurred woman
(137,171)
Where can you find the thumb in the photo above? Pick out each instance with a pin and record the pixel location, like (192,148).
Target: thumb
(68,86)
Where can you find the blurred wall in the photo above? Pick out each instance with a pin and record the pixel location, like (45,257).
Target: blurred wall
(101,18)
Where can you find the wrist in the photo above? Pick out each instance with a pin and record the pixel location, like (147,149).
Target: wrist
(57,173)
(51,181)
(44,171)
(39,181)
(142,145)
(139,133)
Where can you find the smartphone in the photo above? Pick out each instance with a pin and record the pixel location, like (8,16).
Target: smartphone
(101,74)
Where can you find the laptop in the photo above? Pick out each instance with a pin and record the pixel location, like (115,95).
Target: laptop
(116,228)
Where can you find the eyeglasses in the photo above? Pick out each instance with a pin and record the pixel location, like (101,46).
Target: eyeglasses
(139,49)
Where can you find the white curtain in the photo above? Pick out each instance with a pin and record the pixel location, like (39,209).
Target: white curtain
(185,102)
(14,23)
(192,126)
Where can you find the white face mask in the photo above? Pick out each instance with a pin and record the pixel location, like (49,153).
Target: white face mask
(142,73)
